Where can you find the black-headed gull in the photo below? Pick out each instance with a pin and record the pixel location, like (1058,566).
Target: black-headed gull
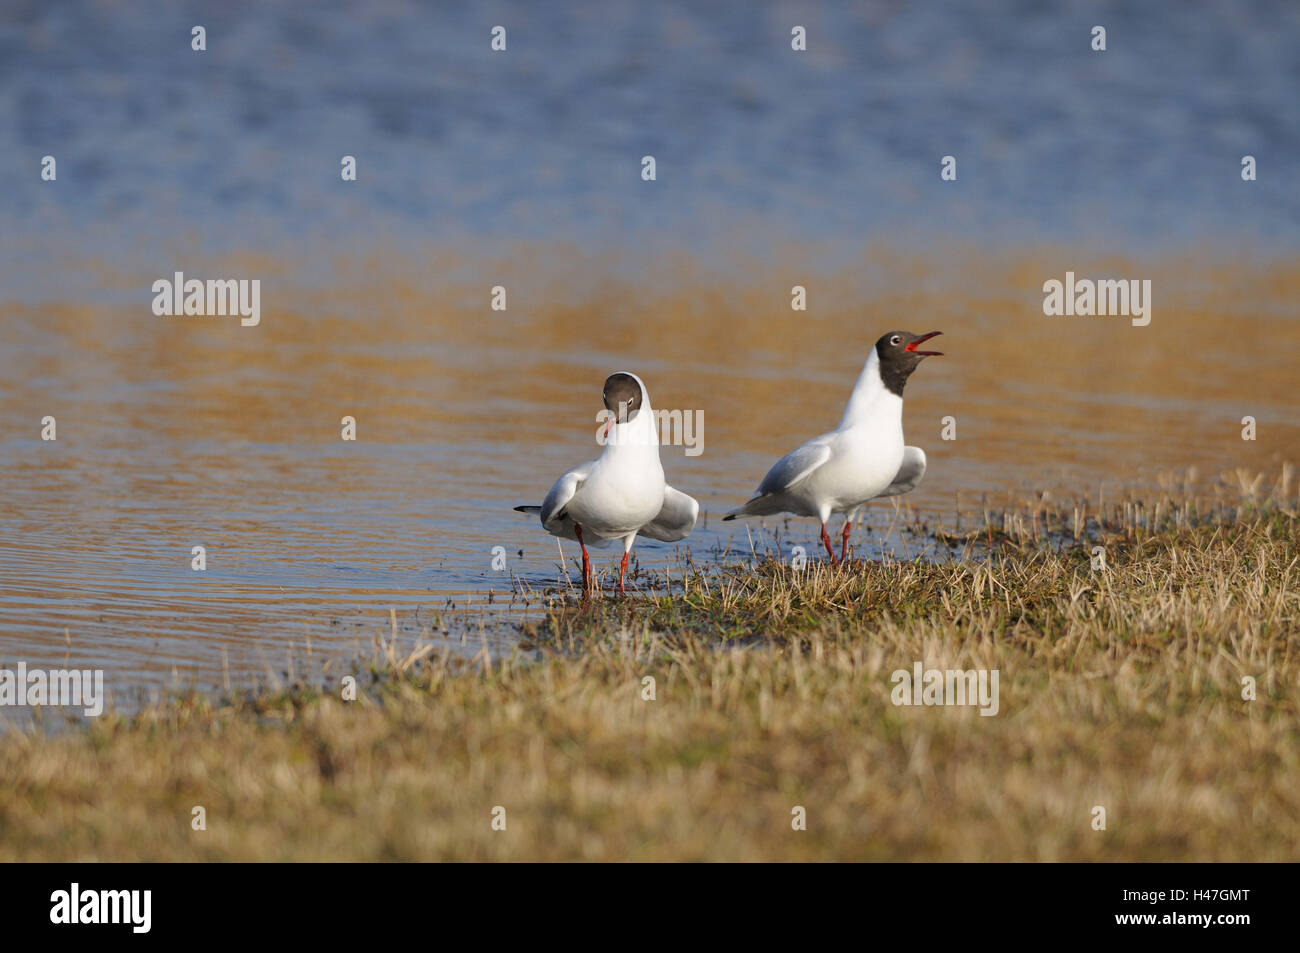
(622,493)
(862,459)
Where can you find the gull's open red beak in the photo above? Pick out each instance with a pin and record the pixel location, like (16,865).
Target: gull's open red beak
(921,340)
(609,423)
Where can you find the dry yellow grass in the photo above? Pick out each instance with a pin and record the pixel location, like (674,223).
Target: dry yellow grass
(1120,688)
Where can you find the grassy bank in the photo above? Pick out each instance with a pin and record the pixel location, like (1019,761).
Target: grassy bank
(1120,687)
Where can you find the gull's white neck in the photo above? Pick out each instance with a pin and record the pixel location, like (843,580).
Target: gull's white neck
(637,437)
(871,403)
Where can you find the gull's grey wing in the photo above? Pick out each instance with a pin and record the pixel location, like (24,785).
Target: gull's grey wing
(551,512)
(909,474)
(676,518)
(785,473)
(794,466)
(560,495)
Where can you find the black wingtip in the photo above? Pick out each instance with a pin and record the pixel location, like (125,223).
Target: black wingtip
(729,516)
(521,509)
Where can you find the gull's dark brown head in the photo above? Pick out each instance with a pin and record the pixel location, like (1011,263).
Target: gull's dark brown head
(898,353)
(622,396)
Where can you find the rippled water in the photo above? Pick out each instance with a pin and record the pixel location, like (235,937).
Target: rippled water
(166,155)
(194,431)
(522,170)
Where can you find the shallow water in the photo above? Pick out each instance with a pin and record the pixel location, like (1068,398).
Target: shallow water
(167,156)
(194,431)
(774,171)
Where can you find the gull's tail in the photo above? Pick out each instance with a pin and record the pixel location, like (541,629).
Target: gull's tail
(764,505)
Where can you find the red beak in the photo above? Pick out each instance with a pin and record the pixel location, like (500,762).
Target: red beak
(921,340)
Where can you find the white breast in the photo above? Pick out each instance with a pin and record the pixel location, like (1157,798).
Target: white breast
(625,489)
(863,463)
(866,448)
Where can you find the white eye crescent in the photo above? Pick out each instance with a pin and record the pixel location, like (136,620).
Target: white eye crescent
(893,342)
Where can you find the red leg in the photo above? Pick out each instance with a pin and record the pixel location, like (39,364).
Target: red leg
(622,571)
(586,563)
(829,550)
(844,541)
